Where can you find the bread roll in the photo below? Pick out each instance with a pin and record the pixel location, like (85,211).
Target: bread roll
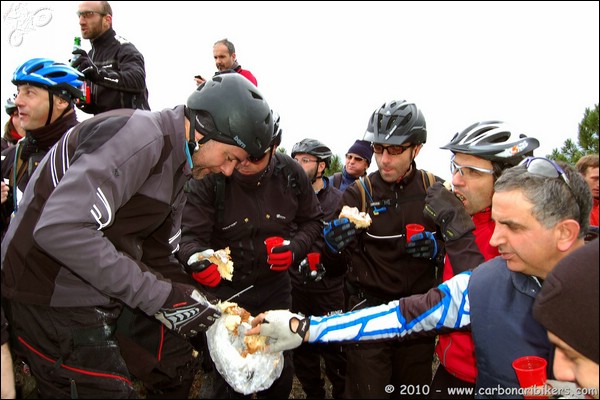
(234,317)
(223,262)
(360,219)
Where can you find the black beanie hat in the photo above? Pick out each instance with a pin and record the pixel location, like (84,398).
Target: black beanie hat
(567,304)
(363,149)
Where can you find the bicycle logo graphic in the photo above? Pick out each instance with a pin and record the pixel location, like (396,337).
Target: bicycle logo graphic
(25,21)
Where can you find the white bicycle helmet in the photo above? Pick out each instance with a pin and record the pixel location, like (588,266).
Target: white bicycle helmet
(493,141)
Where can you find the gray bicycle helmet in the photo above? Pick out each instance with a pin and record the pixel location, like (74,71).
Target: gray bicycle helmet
(237,112)
(397,122)
(314,148)
(10,106)
(493,141)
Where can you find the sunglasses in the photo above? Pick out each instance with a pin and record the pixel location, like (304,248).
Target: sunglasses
(547,168)
(350,157)
(305,160)
(89,14)
(393,150)
(255,160)
(468,169)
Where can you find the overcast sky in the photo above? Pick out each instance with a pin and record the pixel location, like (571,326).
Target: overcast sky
(326,66)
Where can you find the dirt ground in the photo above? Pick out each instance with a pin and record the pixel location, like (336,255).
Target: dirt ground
(200,389)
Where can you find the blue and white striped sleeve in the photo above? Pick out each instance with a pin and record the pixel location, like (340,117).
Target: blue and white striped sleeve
(440,310)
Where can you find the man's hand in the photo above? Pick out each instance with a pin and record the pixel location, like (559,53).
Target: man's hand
(85,65)
(186,311)
(286,330)
(422,245)
(311,274)
(5,190)
(199,80)
(339,233)
(281,257)
(202,269)
(448,212)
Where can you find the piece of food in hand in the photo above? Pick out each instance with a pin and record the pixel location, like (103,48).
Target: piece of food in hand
(255,343)
(235,316)
(448,185)
(222,259)
(360,219)
(231,308)
(232,322)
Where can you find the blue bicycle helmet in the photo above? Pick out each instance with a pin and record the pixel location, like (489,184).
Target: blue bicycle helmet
(59,78)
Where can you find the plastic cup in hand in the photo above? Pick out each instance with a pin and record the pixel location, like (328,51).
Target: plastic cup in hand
(313,260)
(273,241)
(531,372)
(413,229)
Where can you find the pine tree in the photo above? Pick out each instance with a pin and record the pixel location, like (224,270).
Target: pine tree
(587,139)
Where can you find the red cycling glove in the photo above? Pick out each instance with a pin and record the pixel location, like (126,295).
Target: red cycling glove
(208,276)
(281,258)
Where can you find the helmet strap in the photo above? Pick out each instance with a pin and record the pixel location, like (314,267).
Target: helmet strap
(51,106)
(192,144)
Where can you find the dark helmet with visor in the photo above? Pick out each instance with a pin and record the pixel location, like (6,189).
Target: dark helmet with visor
(277,132)
(397,122)
(314,148)
(228,108)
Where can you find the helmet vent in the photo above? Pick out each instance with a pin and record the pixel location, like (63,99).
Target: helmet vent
(36,68)
(256,95)
(58,74)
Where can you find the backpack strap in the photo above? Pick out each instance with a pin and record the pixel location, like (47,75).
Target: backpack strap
(362,188)
(430,180)
(337,180)
(18,169)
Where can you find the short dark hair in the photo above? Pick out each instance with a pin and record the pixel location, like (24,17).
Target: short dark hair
(106,8)
(585,162)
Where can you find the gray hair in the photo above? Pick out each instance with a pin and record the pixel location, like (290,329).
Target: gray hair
(551,198)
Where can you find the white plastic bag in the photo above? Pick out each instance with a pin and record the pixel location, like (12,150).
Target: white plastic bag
(245,375)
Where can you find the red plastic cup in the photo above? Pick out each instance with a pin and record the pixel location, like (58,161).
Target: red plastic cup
(313,260)
(531,371)
(413,229)
(273,241)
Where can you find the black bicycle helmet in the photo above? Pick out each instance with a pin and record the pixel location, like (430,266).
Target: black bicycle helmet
(10,106)
(397,122)
(61,79)
(276,139)
(493,141)
(314,148)
(240,115)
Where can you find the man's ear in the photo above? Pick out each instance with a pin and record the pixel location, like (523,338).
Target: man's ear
(60,104)
(322,167)
(567,233)
(417,150)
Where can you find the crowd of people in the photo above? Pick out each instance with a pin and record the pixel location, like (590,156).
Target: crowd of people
(118,285)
